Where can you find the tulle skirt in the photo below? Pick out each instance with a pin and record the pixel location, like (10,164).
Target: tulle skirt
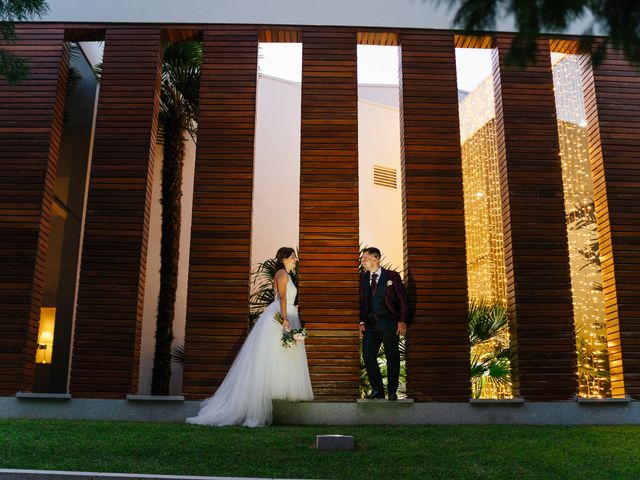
(263,370)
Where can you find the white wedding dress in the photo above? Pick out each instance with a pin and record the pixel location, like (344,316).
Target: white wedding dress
(263,370)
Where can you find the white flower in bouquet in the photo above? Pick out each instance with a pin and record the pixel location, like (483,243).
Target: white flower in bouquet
(295,337)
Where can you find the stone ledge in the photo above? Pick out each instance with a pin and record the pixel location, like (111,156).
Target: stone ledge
(43,396)
(380,401)
(604,401)
(348,413)
(155,398)
(497,402)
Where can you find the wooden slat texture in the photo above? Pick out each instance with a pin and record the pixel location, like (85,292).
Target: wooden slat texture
(177,33)
(569,45)
(110,298)
(433,214)
(220,259)
(84,33)
(381,38)
(280,35)
(329,232)
(30,129)
(535,232)
(473,41)
(612,104)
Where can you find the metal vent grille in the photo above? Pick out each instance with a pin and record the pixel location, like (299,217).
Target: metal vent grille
(385,176)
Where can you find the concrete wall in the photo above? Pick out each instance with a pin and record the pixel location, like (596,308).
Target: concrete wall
(379,144)
(277,168)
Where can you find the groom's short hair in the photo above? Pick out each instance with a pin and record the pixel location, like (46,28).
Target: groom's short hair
(373,251)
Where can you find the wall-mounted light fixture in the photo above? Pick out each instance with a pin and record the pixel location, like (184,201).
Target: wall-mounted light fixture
(45,335)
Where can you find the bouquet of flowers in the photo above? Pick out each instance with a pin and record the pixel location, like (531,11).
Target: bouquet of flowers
(291,338)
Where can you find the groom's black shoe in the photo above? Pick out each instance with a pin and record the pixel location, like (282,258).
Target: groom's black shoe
(375,395)
(393,396)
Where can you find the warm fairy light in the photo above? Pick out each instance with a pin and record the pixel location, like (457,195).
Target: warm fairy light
(477,109)
(483,219)
(586,278)
(483,215)
(482,205)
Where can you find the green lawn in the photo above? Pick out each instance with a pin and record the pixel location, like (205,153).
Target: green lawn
(442,452)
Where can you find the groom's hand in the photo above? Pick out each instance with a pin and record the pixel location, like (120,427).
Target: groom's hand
(362,330)
(402,328)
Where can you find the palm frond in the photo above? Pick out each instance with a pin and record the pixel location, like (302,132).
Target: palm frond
(179,100)
(485,321)
(177,354)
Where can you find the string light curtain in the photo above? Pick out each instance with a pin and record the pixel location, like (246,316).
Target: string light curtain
(584,258)
(483,220)
(484,238)
(482,207)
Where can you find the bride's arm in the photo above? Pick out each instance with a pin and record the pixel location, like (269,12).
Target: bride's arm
(281,279)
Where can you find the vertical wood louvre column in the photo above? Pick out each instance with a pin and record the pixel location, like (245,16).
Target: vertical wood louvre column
(612,104)
(111,289)
(329,218)
(30,129)
(220,260)
(535,231)
(433,217)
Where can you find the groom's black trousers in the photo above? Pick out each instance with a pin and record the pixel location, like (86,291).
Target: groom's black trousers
(374,336)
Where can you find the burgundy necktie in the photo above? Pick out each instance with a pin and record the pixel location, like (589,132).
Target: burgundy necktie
(374,284)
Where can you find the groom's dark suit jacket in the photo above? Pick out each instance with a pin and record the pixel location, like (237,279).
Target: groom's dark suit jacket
(392,290)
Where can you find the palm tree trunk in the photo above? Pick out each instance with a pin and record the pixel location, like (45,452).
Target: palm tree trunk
(169,253)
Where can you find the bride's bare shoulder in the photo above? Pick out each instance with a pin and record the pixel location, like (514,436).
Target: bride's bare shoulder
(281,274)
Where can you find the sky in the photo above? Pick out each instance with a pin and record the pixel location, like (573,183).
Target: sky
(377,65)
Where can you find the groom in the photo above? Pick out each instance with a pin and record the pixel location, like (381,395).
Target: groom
(383,318)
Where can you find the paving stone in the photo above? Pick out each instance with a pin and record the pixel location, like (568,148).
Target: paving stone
(334,442)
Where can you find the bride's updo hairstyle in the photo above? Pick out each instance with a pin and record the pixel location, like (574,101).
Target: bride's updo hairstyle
(281,254)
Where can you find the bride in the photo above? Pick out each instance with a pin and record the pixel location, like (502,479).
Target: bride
(263,369)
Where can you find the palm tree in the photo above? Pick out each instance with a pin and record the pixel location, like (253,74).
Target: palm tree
(618,21)
(14,68)
(178,114)
(488,339)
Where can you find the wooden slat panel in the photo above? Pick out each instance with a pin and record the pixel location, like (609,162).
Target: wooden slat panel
(535,231)
(177,33)
(473,41)
(329,231)
(30,129)
(84,33)
(111,289)
(220,259)
(568,45)
(433,211)
(381,38)
(280,35)
(612,104)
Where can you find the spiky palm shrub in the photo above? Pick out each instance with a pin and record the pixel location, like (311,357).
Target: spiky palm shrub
(262,293)
(490,354)
(178,114)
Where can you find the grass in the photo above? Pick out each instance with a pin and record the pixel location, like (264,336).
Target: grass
(421,452)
